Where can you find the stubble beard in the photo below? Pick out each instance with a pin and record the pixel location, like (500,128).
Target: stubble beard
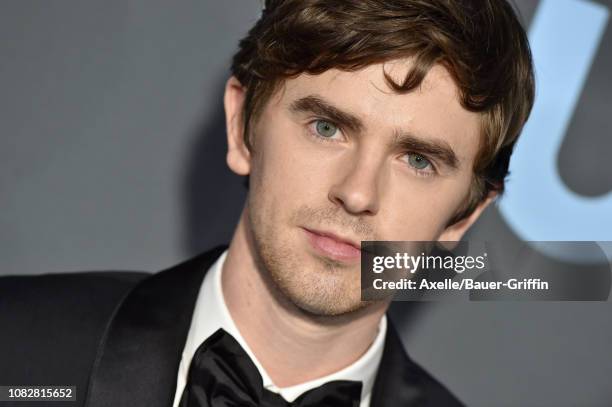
(317,286)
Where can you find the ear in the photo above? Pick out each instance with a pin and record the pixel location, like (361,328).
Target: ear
(455,232)
(238,155)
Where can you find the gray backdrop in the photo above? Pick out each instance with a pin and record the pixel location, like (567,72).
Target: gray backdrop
(112,157)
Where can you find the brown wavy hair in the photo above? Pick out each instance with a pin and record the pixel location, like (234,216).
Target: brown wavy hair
(480,42)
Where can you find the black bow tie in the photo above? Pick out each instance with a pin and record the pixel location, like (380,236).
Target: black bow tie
(223,375)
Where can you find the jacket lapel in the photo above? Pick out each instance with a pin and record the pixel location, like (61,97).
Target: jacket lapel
(138,359)
(396,384)
(400,382)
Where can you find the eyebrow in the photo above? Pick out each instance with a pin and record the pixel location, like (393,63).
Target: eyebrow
(318,106)
(437,149)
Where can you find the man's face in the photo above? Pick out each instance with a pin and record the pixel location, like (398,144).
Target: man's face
(339,158)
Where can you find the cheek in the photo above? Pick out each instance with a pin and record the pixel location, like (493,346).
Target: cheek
(419,210)
(288,171)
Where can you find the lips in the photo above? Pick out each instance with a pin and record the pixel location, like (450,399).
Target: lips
(333,246)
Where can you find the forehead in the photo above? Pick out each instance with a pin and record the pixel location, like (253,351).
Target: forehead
(431,111)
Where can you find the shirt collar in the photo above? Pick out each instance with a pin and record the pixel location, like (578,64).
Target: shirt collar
(211,313)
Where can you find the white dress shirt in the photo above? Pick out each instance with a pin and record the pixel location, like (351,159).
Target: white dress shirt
(211,313)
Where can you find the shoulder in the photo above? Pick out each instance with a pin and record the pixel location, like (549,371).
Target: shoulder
(64,294)
(55,321)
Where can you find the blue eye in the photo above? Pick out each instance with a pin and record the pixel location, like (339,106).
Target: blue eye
(325,129)
(418,161)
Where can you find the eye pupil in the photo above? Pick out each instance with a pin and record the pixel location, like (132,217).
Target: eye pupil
(418,161)
(325,129)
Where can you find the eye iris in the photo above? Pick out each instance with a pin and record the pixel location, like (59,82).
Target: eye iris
(418,161)
(325,129)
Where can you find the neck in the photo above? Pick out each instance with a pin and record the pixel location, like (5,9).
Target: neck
(292,345)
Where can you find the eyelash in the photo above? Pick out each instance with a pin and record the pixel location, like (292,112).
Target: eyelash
(313,132)
(318,137)
(422,172)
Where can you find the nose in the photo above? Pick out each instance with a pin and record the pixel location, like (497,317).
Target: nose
(358,188)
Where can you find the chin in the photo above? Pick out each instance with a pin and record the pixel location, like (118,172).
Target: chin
(320,290)
(320,309)
(314,284)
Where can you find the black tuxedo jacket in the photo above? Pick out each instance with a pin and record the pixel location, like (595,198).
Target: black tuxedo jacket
(118,337)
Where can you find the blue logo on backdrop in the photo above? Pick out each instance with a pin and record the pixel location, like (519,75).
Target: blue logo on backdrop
(564,37)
